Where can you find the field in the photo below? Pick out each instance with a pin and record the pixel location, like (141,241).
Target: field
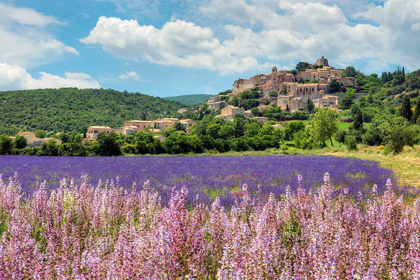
(207,217)
(405,165)
(204,176)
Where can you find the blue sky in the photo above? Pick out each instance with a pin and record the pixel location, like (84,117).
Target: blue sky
(175,47)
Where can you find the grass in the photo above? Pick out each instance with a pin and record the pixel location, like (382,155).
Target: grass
(406,165)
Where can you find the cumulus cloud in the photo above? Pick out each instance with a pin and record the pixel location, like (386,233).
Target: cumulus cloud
(130,76)
(259,33)
(14,77)
(177,43)
(25,39)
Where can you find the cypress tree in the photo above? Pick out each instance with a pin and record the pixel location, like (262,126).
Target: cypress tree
(310,105)
(403,75)
(358,120)
(406,109)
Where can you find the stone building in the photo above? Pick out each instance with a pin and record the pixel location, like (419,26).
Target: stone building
(266,83)
(326,101)
(141,124)
(297,103)
(217,106)
(187,122)
(93,132)
(322,62)
(310,89)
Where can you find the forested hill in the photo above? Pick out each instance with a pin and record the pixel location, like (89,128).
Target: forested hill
(192,99)
(73,109)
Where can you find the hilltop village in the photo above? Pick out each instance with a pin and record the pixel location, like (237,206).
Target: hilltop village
(285,89)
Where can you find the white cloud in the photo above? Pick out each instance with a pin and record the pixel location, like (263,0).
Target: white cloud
(130,76)
(25,39)
(259,33)
(177,43)
(14,77)
(25,16)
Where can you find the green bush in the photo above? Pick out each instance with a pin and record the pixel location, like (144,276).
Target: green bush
(351,143)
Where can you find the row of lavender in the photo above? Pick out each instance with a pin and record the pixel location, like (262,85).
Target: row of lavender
(203,176)
(86,232)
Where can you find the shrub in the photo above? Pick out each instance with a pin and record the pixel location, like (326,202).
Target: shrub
(351,143)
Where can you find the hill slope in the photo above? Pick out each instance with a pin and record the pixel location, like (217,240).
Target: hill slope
(192,99)
(72,109)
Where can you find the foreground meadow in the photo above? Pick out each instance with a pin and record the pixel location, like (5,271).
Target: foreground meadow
(225,217)
(82,231)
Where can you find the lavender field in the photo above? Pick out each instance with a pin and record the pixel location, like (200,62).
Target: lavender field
(204,176)
(84,231)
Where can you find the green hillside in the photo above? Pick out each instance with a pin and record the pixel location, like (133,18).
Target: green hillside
(73,109)
(193,99)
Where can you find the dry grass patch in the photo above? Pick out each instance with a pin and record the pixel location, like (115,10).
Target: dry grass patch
(406,165)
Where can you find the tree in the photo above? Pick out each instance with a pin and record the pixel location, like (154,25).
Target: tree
(405,110)
(302,66)
(350,71)
(291,129)
(398,133)
(413,80)
(20,142)
(49,149)
(227,131)
(284,90)
(340,136)
(145,143)
(351,143)
(346,102)
(374,136)
(108,145)
(255,112)
(179,127)
(213,130)
(324,125)
(334,86)
(310,105)
(273,93)
(358,120)
(252,129)
(6,145)
(40,133)
(239,124)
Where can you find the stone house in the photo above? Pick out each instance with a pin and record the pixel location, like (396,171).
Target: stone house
(187,122)
(93,132)
(217,106)
(231,111)
(163,123)
(297,103)
(283,101)
(141,124)
(126,130)
(309,89)
(326,101)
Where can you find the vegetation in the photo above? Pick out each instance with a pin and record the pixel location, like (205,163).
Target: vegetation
(191,99)
(72,109)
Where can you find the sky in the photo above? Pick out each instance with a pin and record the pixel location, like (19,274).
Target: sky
(178,47)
